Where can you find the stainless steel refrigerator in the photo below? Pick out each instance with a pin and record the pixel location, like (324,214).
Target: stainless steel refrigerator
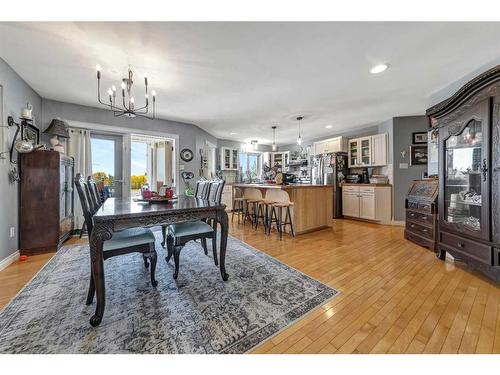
(331,169)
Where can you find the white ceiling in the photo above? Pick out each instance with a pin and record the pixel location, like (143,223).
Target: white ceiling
(244,77)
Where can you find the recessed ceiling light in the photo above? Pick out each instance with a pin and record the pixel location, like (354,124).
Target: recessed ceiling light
(329,126)
(379,68)
(232,133)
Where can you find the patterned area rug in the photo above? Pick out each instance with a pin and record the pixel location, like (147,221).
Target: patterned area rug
(198,313)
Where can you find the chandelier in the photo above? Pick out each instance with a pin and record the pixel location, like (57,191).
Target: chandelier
(128,106)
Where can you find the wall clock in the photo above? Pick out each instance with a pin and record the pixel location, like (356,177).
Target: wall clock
(186,154)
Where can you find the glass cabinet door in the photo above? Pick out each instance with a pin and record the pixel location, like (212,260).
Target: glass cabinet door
(465,173)
(353,152)
(365,151)
(234,153)
(227,158)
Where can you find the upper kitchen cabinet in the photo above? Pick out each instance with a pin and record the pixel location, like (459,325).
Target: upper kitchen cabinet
(327,146)
(379,149)
(368,151)
(228,158)
(278,159)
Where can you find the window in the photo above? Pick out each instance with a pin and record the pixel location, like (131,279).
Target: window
(250,164)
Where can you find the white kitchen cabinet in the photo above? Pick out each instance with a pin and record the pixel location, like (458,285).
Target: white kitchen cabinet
(367,151)
(229,158)
(277,158)
(367,202)
(350,203)
(337,144)
(379,149)
(227,197)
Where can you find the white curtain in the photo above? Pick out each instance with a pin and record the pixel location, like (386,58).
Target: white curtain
(78,147)
(161,164)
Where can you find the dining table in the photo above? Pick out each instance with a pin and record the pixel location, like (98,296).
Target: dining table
(117,214)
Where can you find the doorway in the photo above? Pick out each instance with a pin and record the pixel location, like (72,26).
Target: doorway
(152,163)
(107,163)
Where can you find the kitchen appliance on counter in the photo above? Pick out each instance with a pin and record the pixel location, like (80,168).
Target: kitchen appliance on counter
(289,178)
(353,178)
(331,169)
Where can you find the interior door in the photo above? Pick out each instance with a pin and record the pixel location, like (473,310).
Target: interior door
(107,162)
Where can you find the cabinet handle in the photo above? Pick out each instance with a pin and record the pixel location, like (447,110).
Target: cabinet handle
(461,244)
(424,217)
(484,169)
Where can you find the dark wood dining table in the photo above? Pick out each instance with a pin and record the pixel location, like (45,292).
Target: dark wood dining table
(119,214)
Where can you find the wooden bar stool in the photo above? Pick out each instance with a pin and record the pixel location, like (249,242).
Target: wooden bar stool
(238,204)
(282,203)
(252,197)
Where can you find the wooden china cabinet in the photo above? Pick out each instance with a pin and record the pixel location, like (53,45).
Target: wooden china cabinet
(469,173)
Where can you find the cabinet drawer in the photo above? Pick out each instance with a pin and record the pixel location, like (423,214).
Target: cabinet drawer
(367,189)
(472,249)
(419,240)
(419,217)
(351,188)
(425,206)
(420,229)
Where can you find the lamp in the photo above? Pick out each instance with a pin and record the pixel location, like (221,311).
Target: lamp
(57,128)
(299,138)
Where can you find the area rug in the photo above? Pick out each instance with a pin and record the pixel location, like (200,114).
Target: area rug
(198,313)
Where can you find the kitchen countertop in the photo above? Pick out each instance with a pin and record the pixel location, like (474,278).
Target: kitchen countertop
(274,186)
(357,184)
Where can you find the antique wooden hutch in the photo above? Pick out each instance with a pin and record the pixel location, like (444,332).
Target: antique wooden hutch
(469,173)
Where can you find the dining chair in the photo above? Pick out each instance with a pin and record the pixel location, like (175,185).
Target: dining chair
(201,192)
(180,234)
(134,240)
(96,202)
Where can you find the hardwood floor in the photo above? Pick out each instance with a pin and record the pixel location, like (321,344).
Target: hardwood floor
(396,297)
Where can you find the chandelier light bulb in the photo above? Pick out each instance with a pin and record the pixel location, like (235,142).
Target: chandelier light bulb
(299,140)
(153,92)
(113,88)
(98,67)
(146,95)
(110,92)
(123,86)
(132,100)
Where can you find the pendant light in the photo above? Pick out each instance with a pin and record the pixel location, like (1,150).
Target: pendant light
(274,146)
(299,138)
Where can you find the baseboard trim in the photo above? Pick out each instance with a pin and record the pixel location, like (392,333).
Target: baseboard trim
(399,223)
(9,260)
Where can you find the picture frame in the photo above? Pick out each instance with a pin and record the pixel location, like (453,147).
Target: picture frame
(30,132)
(418,155)
(419,138)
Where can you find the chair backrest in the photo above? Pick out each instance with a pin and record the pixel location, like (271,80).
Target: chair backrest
(238,192)
(215,192)
(277,195)
(85,200)
(252,193)
(94,193)
(202,189)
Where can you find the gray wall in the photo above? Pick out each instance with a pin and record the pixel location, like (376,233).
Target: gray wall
(403,129)
(190,136)
(15,95)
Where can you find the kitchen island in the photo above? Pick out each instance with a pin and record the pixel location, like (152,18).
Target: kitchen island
(312,204)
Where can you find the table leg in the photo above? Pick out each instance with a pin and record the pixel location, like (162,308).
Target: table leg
(98,236)
(222,218)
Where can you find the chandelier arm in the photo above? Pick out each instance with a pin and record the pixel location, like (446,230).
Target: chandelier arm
(99,92)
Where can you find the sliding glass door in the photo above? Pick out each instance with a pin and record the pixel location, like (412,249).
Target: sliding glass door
(107,162)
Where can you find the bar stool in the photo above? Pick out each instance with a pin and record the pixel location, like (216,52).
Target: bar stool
(251,197)
(282,203)
(238,204)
